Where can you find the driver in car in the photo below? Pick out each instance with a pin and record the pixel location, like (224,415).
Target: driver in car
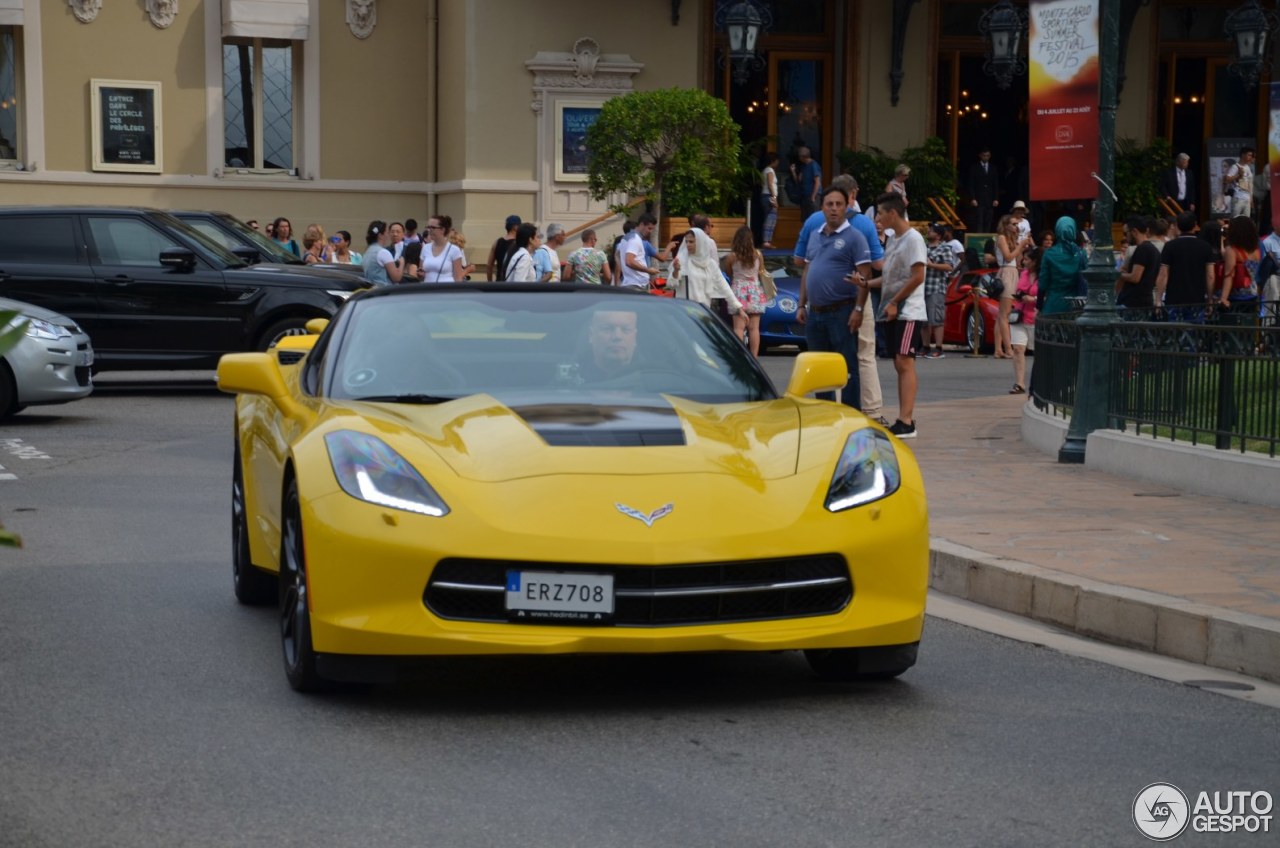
(611,339)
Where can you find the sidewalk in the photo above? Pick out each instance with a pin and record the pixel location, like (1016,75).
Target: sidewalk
(1134,563)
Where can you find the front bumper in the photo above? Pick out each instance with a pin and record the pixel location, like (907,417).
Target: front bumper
(51,371)
(368,569)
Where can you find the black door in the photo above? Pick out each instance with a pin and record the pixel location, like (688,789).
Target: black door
(42,262)
(150,312)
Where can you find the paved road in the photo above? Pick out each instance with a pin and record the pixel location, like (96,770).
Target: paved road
(140,706)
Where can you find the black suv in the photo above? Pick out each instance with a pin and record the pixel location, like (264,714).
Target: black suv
(249,244)
(152,292)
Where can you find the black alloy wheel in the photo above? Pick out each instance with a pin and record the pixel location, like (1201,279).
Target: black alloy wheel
(295,612)
(253,586)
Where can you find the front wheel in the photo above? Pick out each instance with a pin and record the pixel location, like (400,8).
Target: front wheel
(280,329)
(976,327)
(295,609)
(862,664)
(253,586)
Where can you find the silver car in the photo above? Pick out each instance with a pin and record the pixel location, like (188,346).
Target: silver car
(50,364)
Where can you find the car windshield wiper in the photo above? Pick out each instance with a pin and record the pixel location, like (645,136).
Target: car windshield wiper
(406,398)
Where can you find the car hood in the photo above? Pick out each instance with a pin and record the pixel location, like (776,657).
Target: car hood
(332,277)
(486,440)
(37,312)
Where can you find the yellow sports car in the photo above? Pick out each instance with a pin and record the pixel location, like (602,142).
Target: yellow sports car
(525,469)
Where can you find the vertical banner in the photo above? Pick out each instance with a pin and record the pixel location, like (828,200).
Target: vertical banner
(1273,153)
(1064,78)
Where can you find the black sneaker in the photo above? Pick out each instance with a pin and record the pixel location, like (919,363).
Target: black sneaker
(903,431)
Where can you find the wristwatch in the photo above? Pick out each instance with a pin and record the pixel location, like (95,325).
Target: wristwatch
(857,308)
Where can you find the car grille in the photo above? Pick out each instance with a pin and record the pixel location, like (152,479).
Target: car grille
(82,376)
(654,596)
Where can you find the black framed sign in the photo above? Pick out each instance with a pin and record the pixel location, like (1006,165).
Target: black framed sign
(126,126)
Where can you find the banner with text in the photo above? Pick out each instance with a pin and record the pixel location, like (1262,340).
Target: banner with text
(1273,153)
(1063,124)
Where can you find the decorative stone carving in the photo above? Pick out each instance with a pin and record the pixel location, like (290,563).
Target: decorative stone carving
(85,10)
(162,12)
(586,53)
(362,17)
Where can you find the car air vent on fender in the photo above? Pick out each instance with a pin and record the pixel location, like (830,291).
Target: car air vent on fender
(290,357)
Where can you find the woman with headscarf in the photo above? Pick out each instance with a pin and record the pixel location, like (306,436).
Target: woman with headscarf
(698,267)
(1060,269)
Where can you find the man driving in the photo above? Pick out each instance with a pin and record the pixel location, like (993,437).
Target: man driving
(611,335)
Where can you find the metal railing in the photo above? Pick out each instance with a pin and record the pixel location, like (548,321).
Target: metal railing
(1215,383)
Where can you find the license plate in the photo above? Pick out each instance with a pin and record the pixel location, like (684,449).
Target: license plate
(558,597)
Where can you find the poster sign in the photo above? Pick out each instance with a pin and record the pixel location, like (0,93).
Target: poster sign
(1063,124)
(1273,153)
(573,119)
(126,126)
(1220,155)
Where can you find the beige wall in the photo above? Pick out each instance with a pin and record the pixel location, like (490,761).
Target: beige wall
(373,111)
(880,123)
(122,44)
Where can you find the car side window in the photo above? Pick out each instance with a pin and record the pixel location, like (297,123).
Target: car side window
(212,232)
(41,239)
(128,241)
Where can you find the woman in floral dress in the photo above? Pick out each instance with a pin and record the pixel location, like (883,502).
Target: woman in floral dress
(743,266)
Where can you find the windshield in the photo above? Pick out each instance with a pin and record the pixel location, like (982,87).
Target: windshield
(595,348)
(265,246)
(218,252)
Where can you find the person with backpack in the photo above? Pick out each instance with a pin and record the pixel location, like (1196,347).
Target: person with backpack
(496,268)
(1240,266)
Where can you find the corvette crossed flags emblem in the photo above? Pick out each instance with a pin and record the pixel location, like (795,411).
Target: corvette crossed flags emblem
(648,519)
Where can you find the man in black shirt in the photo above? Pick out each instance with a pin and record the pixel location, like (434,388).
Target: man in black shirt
(1136,284)
(1185,283)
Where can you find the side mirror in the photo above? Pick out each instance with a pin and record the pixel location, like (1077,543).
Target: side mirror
(248,255)
(817,372)
(251,374)
(178,258)
(316,326)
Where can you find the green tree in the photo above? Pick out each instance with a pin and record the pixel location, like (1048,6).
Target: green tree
(678,145)
(1138,170)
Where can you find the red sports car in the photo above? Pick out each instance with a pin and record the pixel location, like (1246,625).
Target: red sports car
(971,312)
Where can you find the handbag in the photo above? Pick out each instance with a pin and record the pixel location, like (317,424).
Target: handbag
(766,280)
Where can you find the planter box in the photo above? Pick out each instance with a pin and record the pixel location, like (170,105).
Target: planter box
(722,229)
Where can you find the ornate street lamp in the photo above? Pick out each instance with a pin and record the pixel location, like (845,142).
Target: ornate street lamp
(1004,24)
(1249,29)
(744,21)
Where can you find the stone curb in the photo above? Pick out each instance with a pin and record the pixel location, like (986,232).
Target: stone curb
(1161,624)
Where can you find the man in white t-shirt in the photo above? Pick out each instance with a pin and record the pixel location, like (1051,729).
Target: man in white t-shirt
(1239,183)
(902,303)
(635,267)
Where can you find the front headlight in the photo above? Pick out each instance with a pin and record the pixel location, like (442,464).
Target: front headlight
(867,471)
(369,470)
(44,330)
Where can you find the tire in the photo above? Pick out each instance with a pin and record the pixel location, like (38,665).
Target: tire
(295,611)
(976,330)
(253,586)
(845,665)
(8,392)
(288,327)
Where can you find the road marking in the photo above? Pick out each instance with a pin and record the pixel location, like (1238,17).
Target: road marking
(5,475)
(21,450)
(1016,627)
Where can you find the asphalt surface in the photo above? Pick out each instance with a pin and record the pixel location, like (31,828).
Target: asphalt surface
(141,706)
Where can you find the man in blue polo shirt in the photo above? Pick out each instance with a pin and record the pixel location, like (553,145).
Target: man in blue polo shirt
(836,258)
(868,375)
